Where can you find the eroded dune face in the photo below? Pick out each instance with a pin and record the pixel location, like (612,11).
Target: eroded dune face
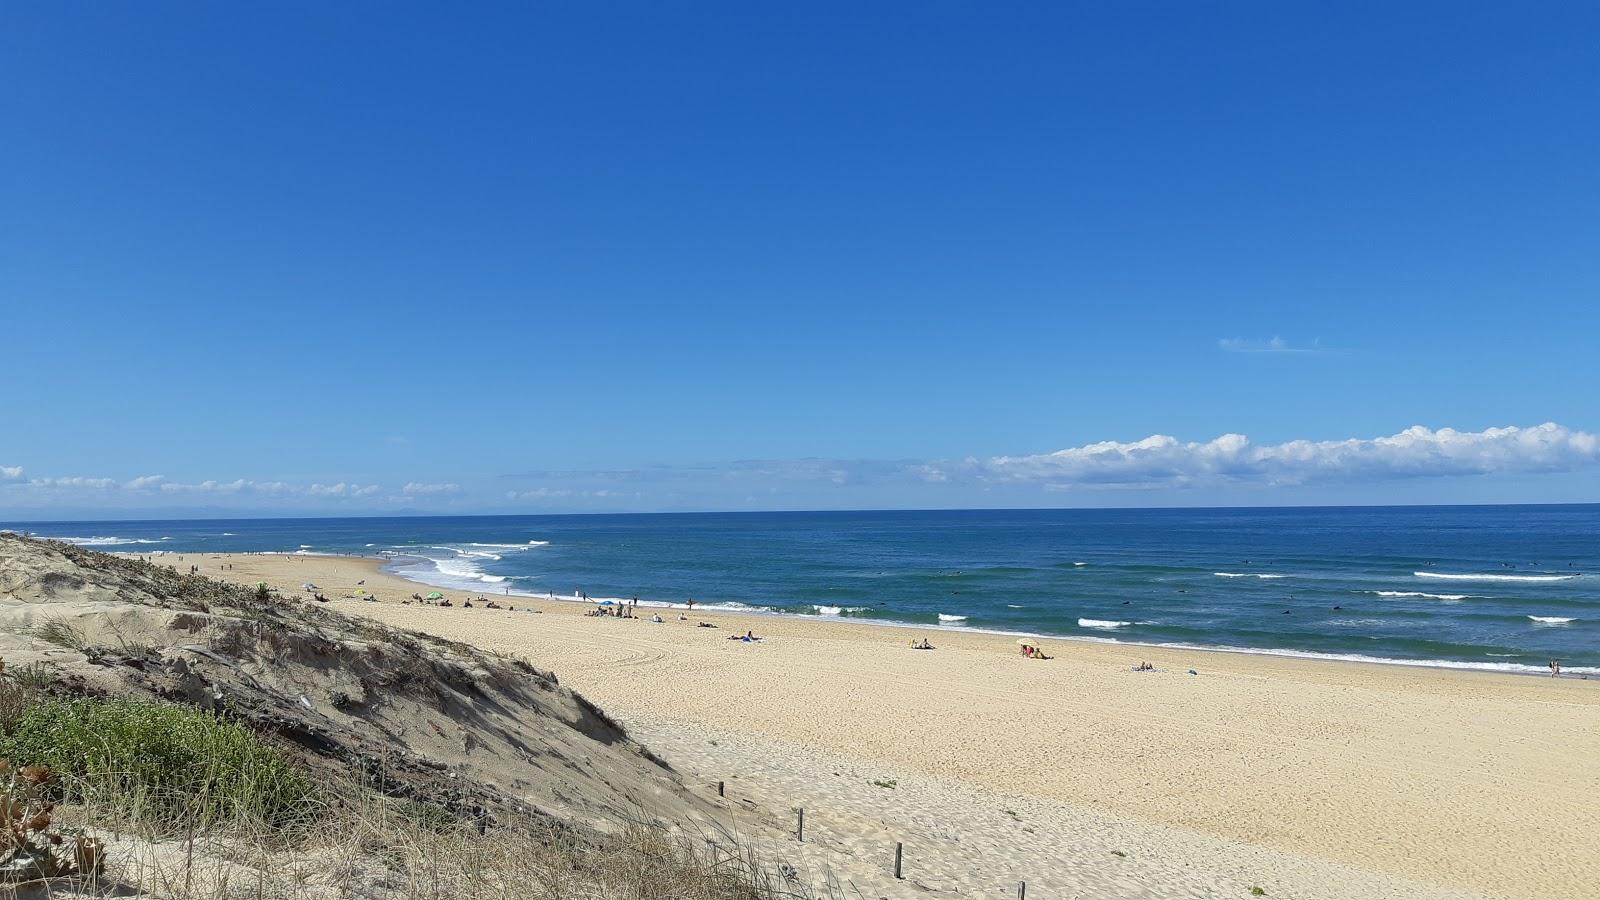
(416,715)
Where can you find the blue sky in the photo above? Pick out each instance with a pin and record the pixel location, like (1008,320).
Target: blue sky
(729,256)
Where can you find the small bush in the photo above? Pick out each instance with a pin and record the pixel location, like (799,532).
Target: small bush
(173,764)
(888,783)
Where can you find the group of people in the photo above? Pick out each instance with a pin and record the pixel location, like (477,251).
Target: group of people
(628,610)
(485,602)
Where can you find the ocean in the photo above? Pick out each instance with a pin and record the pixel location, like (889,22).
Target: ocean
(1490,587)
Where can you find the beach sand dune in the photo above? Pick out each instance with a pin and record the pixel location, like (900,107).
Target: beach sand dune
(1307,778)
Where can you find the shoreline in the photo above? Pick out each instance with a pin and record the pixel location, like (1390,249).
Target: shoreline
(1314,778)
(1517,669)
(383,562)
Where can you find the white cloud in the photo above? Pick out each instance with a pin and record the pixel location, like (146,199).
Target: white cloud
(1414,453)
(342,489)
(74,482)
(418,489)
(10,472)
(1273,344)
(209,487)
(144,481)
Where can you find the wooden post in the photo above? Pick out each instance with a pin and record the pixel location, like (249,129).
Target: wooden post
(800,830)
(1022,890)
(897,849)
(720,792)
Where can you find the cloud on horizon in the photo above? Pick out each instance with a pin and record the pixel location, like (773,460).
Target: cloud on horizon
(1417,452)
(1155,463)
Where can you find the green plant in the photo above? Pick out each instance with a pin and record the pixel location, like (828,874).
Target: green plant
(429,817)
(174,764)
(1258,892)
(885,783)
(1119,853)
(35,675)
(58,631)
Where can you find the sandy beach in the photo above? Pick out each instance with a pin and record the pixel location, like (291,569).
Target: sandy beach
(1077,774)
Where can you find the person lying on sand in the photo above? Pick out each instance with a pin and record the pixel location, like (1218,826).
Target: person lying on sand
(707,625)
(921,645)
(747,637)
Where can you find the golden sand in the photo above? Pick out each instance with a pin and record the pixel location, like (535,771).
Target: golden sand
(1309,778)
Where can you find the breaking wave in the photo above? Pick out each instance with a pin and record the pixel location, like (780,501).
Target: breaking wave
(1421,594)
(1479,576)
(1101,624)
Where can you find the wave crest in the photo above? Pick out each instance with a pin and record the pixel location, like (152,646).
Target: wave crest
(1488,576)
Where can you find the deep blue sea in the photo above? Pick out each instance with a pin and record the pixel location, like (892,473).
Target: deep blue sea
(1499,587)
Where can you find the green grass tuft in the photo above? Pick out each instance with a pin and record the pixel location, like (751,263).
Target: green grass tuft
(60,632)
(182,765)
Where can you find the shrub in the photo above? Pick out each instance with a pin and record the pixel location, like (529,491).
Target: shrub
(166,763)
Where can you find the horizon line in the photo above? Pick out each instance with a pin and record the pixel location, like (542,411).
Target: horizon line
(758,512)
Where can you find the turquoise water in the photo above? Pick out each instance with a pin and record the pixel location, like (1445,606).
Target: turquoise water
(1505,587)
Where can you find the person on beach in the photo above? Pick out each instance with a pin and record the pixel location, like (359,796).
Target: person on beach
(1555,668)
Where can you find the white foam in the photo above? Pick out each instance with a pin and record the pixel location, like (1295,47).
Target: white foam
(1479,576)
(1080,564)
(1101,624)
(465,568)
(839,610)
(106,541)
(1246,575)
(947,617)
(1015,606)
(1552,620)
(509,546)
(1449,598)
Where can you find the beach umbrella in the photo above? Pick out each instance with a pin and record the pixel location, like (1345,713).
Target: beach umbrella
(308,586)
(608,603)
(359,591)
(435,595)
(1025,642)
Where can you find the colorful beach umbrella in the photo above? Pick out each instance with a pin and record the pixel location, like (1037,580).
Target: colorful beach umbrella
(435,595)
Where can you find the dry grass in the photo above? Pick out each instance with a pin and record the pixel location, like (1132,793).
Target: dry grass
(365,845)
